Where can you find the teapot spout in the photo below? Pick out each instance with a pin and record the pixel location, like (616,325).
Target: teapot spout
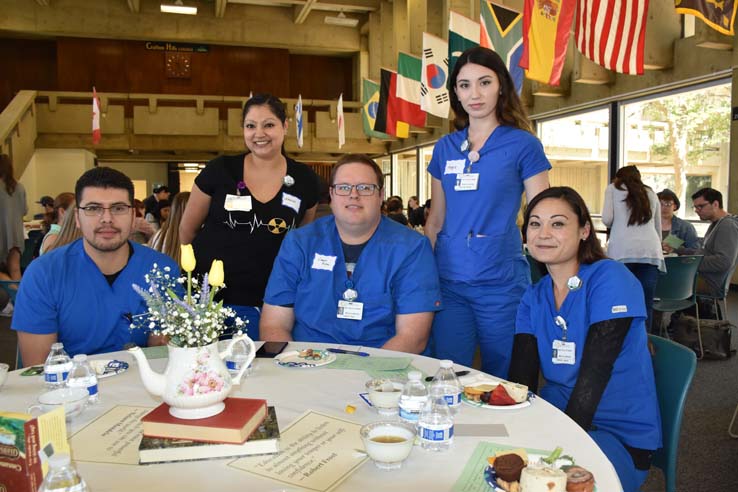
(153,381)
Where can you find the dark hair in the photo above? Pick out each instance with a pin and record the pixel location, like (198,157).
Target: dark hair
(276,106)
(358,159)
(637,199)
(103,177)
(161,188)
(163,204)
(590,249)
(6,173)
(710,195)
(137,204)
(509,110)
(667,194)
(394,204)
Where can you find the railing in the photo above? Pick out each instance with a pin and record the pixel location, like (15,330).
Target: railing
(18,130)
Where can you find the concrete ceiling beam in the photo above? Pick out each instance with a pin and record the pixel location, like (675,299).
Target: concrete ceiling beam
(220,8)
(301,12)
(133,5)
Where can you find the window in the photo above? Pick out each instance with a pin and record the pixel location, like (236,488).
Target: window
(405,175)
(680,141)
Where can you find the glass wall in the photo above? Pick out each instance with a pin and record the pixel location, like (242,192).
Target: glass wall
(680,141)
(405,175)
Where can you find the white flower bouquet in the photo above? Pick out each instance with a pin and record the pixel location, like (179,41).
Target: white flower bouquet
(191,319)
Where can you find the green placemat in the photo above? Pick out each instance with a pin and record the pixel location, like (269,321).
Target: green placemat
(395,374)
(371,363)
(158,352)
(472,478)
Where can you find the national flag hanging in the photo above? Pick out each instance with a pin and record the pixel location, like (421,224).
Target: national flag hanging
(718,15)
(434,74)
(612,33)
(463,33)
(386,120)
(501,30)
(96,134)
(408,89)
(341,123)
(370,100)
(546,26)
(298,121)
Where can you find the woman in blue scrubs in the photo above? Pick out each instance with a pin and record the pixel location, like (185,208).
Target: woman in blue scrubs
(583,326)
(479,174)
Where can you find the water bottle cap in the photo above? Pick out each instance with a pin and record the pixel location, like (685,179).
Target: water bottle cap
(80,358)
(57,460)
(414,375)
(447,364)
(57,346)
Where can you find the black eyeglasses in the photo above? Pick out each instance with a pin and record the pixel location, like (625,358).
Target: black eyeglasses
(99,210)
(700,206)
(363,189)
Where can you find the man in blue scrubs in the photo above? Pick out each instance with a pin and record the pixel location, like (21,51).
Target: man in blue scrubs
(81,294)
(356,277)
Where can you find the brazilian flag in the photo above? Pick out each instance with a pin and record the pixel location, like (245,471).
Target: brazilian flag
(370,99)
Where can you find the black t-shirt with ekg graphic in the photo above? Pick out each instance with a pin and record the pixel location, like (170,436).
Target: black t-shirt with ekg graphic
(248,242)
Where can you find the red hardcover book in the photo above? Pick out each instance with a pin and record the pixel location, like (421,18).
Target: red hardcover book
(233,425)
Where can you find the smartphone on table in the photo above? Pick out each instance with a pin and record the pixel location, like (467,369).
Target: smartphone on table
(269,350)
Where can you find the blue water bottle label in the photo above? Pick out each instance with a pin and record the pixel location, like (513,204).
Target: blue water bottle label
(55,377)
(430,434)
(231,365)
(453,400)
(92,390)
(408,415)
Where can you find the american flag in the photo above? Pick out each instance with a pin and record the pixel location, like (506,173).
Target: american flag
(612,33)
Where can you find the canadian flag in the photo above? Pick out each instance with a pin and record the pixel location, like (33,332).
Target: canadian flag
(96,135)
(341,123)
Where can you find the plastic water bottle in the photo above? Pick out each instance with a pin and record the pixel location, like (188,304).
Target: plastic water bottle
(82,376)
(446,380)
(62,476)
(239,355)
(57,366)
(413,398)
(436,424)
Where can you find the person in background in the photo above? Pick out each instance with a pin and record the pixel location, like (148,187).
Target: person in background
(720,244)
(142,230)
(12,209)
(394,211)
(166,239)
(479,174)
(583,326)
(62,203)
(160,192)
(355,277)
(631,211)
(80,294)
(242,206)
(673,225)
(68,233)
(47,203)
(156,219)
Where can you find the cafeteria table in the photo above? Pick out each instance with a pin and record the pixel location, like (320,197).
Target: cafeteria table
(292,391)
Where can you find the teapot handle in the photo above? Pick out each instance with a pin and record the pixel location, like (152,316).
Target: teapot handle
(236,380)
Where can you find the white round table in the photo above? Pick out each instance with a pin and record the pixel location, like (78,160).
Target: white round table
(293,391)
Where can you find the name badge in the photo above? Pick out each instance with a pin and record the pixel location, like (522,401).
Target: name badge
(350,310)
(291,201)
(466,181)
(454,167)
(236,203)
(564,352)
(323,262)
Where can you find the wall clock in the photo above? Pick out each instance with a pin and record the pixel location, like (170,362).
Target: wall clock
(178,65)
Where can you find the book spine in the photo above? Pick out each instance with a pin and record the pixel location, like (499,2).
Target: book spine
(34,469)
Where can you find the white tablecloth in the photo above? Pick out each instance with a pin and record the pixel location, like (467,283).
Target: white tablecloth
(292,391)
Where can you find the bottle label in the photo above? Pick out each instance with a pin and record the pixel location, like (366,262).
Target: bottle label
(55,377)
(453,400)
(92,390)
(409,414)
(436,433)
(231,365)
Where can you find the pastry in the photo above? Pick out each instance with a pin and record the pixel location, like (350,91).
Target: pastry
(518,392)
(544,479)
(508,467)
(579,480)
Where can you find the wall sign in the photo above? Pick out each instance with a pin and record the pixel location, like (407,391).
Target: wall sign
(179,47)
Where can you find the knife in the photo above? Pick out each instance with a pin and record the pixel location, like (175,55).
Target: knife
(458,375)
(350,352)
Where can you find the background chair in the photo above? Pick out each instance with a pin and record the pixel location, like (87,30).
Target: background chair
(674,366)
(721,310)
(677,289)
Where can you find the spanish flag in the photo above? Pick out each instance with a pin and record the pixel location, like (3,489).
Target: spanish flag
(546,28)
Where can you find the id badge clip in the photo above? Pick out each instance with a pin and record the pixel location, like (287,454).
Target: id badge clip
(563,352)
(350,310)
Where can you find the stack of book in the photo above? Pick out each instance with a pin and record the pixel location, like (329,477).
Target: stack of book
(246,427)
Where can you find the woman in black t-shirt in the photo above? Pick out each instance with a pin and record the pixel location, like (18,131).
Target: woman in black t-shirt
(242,206)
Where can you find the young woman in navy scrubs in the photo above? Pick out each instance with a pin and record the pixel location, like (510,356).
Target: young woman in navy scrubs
(479,174)
(583,326)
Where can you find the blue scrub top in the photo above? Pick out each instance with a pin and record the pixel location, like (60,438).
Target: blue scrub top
(480,241)
(395,274)
(628,408)
(64,292)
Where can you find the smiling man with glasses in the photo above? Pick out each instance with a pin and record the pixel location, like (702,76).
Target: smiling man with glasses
(356,277)
(81,294)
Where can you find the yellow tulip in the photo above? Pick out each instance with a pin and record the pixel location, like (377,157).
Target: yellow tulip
(187,258)
(215,277)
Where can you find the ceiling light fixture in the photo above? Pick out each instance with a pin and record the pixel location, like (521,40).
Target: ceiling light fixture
(178,8)
(341,20)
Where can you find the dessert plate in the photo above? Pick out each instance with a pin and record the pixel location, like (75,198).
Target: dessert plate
(106,368)
(481,404)
(305,358)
